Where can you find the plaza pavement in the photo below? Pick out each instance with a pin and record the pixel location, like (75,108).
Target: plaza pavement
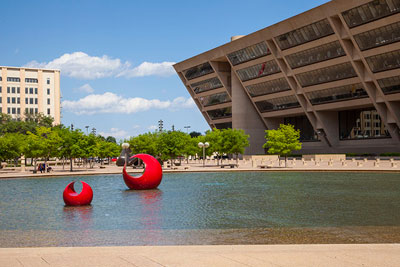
(237,255)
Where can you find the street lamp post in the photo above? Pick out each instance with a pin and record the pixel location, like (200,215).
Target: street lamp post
(187,128)
(125,146)
(204,146)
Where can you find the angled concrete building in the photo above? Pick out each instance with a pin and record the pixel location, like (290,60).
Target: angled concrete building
(333,72)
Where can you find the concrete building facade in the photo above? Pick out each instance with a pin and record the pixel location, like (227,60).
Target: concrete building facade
(333,72)
(30,91)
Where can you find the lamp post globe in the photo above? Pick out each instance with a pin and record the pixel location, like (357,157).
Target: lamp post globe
(125,147)
(200,144)
(206,144)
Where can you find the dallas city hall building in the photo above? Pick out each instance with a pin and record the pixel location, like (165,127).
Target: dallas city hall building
(333,72)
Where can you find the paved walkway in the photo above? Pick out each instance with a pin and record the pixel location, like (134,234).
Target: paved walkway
(250,255)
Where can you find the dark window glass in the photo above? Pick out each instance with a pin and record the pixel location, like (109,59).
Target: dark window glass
(328,74)
(30,80)
(13,110)
(390,85)
(48,91)
(384,62)
(305,34)
(337,94)
(8,100)
(8,111)
(13,100)
(13,79)
(48,111)
(36,91)
(301,123)
(31,101)
(26,100)
(0,99)
(13,90)
(0,89)
(18,100)
(31,110)
(269,87)
(378,37)
(259,70)
(361,124)
(26,90)
(36,110)
(224,125)
(31,91)
(214,99)
(36,101)
(18,110)
(249,53)
(279,103)
(220,113)
(8,90)
(198,71)
(206,85)
(48,81)
(371,11)
(18,90)
(48,101)
(314,55)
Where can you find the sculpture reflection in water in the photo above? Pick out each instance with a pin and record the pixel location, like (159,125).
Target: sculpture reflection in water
(151,217)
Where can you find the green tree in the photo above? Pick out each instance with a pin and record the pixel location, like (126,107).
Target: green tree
(194,134)
(234,141)
(215,139)
(283,140)
(172,144)
(70,146)
(11,146)
(145,143)
(108,149)
(111,139)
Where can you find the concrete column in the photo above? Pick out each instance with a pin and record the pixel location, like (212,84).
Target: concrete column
(245,116)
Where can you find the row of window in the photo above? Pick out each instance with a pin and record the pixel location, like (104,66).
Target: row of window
(198,71)
(316,54)
(378,37)
(12,111)
(268,87)
(337,94)
(328,74)
(279,103)
(206,85)
(301,123)
(16,90)
(214,99)
(390,85)
(220,113)
(27,80)
(224,125)
(249,53)
(371,11)
(259,70)
(16,100)
(13,79)
(304,34)
(386,61)
(31,80)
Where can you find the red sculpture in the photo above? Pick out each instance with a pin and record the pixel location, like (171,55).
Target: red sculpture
(71,198)
(151,177)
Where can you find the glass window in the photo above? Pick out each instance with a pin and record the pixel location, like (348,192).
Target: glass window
(13,79)
(13,90)
(305,34)
(13,100)
(198,71)
(317,54)
(18,90)
(48,101)
(31,110)
(18,110)
(337,94)
(378,37)
(36,91)
(384,62)
(8,111)
(259,70)
(279,103)
(30,80)
(26,90)
(48,91)
(48,111)
(18,100)
(48,80)
(0,89)
(31,90)
(0,99)
(328,74)
(249,53)
(224,125)
(36,101)
(14,110)
(205,85)
(361,124)
(8,100)
(214,99)
(31,101)
(371,11)
(8,90)
(26,101)
(269,87)
(301,123)
(36,110)
(220,113)
(390,85)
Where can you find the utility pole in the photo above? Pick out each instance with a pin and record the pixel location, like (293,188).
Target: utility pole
(87,129)
(94,131)
(160,125)
(173,128)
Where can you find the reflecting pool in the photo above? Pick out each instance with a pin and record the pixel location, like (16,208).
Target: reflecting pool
(205,208)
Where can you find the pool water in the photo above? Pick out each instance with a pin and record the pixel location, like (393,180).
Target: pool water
(205,208)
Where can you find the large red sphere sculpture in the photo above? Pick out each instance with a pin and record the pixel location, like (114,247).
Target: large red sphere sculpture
(71,198)
(151,177)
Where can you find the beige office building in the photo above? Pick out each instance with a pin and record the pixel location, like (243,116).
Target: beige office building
(30,91)
(333,72)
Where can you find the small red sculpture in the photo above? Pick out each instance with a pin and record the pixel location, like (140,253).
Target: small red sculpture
(151,177)
(71,198)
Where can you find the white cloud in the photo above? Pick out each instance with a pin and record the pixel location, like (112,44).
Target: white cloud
(83,66)
(86,88)
(112,103)
(150,69)
(115,132)
(136,126)
(152,127)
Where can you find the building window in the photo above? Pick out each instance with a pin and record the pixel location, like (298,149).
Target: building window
(220,113)
(13,110)
(269,87)
(305,34)
(13,90)
(48,101)
(378,37)
(36,110)
(337,94)
(36,101)
(259,70)
(8,90)
(356,124)
(302,123)
(224,125)
(18,110)
(48,111)
(0,89)
(26,101)
(198,71)
(8,100)
(214,99)
(31,110)
(36,92)
(13,79)
(384,62)
(31,91)
(0,99)
(369,12)
(328,74)
(390,85)
(30,80)
(48,80)
(18,90)
(26,90)
(249,53)
(31,101)
(314,55)
(205,85)
(279,103)
(18,100)
(8,111)
(13,100)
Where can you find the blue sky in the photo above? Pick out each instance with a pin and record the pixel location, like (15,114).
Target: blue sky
(115,56)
